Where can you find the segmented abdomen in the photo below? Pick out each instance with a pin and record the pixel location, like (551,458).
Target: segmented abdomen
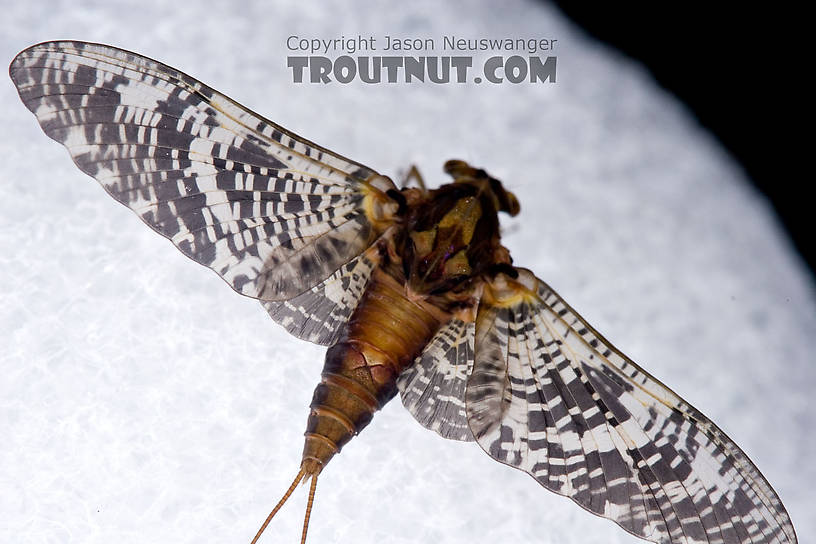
(385,334)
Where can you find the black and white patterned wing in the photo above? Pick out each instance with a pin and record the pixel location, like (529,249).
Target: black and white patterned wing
(320,315)
(550,396)
(433,388)
(270,212)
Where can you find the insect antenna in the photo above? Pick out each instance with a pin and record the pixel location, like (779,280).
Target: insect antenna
(286,495)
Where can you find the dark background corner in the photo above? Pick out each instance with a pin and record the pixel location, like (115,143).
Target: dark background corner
(739,71)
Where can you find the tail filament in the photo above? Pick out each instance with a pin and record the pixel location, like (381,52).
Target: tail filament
(278,506)
(286,496)
(309,504)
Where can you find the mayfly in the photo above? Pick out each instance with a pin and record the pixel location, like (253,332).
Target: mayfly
(412,291)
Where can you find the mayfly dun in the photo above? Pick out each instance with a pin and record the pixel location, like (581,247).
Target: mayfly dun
(410,289)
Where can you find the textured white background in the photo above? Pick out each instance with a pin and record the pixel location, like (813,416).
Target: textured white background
(141,400)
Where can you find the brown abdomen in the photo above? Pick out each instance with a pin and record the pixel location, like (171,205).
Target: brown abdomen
(386,333)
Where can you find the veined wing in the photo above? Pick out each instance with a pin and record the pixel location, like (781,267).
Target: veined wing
(433,388)
(550,396)
(321,314)
(270,212)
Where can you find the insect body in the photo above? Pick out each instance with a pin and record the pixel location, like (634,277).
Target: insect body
(411,290)
(427,268)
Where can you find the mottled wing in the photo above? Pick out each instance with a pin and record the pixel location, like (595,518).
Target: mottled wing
(320,315)
(270,212)
(433,388)
(550,396)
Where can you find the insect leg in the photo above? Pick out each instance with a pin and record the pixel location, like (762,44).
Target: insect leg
(414,174)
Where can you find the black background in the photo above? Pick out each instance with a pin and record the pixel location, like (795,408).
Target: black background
(742,72)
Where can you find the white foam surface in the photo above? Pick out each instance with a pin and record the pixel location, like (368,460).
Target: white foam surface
(141,400)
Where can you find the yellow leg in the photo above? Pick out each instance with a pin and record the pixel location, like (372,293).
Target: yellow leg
(414,174)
